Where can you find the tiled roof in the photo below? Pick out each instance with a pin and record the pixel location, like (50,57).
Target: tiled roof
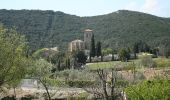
(88,30)
(77,40)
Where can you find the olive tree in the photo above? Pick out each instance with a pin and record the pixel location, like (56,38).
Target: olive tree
(124,55)
(107,84)
(42,73)
(13,60)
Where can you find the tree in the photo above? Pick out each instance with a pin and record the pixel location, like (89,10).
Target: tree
(98,49)
(76,59)
(42,73)
(13,60)
(155,51)
(163,50)
(81,57)
(147,61)
(67,63)
(103,78)
(135,49)
(59,65)
(92,47)
(124,55)
(107,51)
(105,85)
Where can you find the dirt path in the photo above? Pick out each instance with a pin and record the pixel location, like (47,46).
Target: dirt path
(56,93)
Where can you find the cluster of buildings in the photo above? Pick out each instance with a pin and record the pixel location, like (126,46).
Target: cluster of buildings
(82,45)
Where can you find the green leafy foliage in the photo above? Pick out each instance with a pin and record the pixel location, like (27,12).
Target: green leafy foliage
(92,47)
(80,83)
(162,62)
(81,57)
(42,69)
(42,74)
(13,60)
(107,51)
(50,29)
(147,61)
(98,49)
(124,55)
(149,90)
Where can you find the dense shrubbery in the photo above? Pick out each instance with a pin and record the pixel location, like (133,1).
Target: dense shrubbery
(149,90)
(28,97)
(147,61)
(162,62)
(79,83)
(14,62)
(75,75)
(8,98)
(120,83)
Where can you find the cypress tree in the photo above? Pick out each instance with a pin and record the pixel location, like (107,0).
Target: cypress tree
(135,49)
(98,49)
(92,48)
(68,62)
(59,65)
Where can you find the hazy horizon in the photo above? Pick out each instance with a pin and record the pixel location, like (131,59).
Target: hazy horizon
(91,7)
(89,15)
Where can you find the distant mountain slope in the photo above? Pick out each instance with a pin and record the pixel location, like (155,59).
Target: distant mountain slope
(126,27)
(118,29)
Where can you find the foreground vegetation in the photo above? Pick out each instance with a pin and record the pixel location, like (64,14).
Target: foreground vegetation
(149,90)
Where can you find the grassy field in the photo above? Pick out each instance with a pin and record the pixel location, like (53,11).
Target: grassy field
(111,64)
(160,62)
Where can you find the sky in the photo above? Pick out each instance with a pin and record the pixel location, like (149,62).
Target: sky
(91,7)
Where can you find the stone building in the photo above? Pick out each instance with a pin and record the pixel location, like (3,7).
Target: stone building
(87,38)
(82,45)
(76,45)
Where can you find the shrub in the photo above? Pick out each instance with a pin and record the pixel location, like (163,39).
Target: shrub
(162,62)
(9,98)
(147,61)
(75,75)
(120,83)
(130,66)
(124,55)
(149,90)
(79,83)
(28,97)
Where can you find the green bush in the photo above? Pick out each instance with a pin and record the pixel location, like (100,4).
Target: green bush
(147,61)
(79,83)
(120,83)
(75,75)
(9,98)
(28,97)
(162,62)
(149,90)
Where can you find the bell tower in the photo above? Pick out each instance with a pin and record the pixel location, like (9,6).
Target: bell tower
(87,38)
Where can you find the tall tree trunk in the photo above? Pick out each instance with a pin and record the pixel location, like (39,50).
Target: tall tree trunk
(103,79)
(46,88)
(135,55)
(112,85)
(15,95)
(101,57)
(90,58)
(105,90)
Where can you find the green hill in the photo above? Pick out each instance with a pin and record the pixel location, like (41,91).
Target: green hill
(118,29)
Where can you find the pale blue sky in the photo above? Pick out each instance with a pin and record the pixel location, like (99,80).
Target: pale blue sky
(91,7)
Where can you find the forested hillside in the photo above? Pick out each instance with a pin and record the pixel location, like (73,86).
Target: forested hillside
(118,29)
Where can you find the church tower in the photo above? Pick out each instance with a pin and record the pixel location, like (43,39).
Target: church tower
(87,38)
